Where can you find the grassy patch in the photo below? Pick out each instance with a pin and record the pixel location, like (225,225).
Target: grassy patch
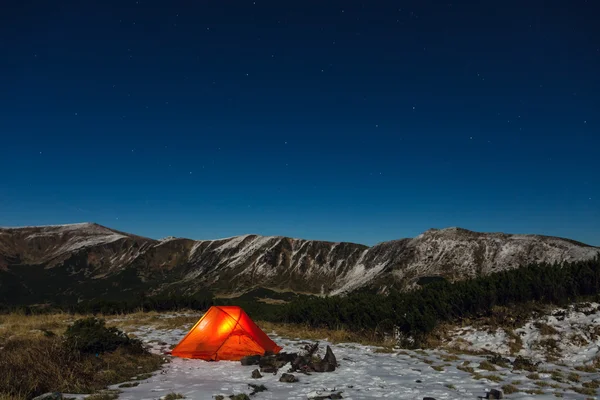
(586,368)
(574,377)
(466,368)
(595,384)
(508,389)
(557,376)
(35,364)
(494,378)
(174,396)
(437,367)
(545,329)
(129,384)
(486,365)
(584,390)
(293,331)
(103,396)
(450,357)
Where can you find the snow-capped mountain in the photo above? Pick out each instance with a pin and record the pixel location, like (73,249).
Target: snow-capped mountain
(81,261)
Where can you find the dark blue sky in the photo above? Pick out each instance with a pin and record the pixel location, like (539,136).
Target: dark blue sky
(355,121)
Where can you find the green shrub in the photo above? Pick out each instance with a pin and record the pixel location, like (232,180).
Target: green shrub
(91,336)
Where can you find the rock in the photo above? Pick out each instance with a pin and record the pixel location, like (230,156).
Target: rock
(241,396)
(428,398)
(257,388)
(278,360)
(320,396)
(419,381)
(288,378)
(329,363)
(495,394)
(269,369)
(256,374)
(50,396)
(250,360)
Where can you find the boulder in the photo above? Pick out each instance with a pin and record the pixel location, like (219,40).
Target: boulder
(495,394)
(288,378)
(256,374)
(50,396)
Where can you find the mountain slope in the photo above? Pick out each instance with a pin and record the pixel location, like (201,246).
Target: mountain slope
(70,263)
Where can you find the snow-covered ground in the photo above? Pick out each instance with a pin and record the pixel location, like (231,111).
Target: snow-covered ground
(571,335)
(364,373)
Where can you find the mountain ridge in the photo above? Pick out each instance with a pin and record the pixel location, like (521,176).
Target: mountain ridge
(88,260)
(450,228)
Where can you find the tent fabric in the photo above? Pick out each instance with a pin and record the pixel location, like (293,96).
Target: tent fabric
(224,333)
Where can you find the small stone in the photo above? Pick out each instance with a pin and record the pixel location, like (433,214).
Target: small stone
(241,396)
(256,374)
(288,378)
(428,398)
(257,388)
(419,381)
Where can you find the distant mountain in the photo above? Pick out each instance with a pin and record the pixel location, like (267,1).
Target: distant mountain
(69,263)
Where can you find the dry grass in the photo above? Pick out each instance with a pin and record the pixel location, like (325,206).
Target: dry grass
(509,389)
(33,366)
(486,365)
(545,329)
(294,331)
(22,326)
(18,325)
(36,360)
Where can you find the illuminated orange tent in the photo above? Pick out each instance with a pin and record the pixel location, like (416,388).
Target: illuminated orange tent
(224,333)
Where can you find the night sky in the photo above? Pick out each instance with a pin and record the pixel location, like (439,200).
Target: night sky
(332,120)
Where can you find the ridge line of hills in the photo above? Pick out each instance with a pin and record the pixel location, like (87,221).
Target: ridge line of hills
(77,262)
